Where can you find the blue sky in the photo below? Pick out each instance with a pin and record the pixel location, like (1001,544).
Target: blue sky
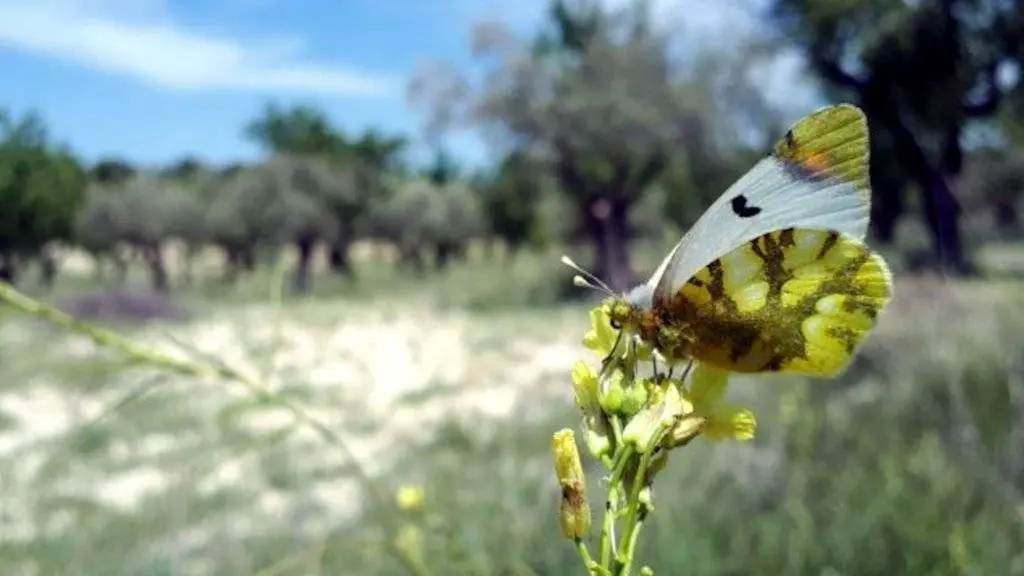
(154,80)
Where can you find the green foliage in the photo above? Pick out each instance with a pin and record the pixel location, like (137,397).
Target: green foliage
(41,186)
(301,130)
(510,199)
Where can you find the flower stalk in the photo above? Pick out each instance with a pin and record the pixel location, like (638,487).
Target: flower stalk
(631,423)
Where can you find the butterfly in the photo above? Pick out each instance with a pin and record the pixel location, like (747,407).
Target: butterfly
(775,276)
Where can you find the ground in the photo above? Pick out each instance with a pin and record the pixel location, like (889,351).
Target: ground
(916,449)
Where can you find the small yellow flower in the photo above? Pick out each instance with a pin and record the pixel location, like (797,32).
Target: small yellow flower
(584,383)
(721,421)
(601,337)
(410,497)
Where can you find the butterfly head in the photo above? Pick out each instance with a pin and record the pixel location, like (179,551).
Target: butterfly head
(635,312)
(632,311)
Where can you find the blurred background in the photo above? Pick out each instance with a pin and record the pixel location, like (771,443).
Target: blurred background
(363,205)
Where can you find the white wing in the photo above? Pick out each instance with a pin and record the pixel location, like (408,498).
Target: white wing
(781,192)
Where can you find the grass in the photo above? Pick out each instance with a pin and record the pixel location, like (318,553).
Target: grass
(910,464)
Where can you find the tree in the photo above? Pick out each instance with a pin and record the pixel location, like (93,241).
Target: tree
(142,213)
(925,70)
(598,100)
(112,171)
(422,215)
(42,185)
(300,130)
(305,132)
(510,198)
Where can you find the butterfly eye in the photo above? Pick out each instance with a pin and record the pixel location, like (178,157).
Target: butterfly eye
(615,324)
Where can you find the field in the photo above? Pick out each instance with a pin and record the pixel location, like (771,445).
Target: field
(911,463)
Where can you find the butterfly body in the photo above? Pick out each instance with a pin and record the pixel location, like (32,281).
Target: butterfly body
(775,276)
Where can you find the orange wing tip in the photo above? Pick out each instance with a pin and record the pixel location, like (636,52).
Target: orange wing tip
(829,143)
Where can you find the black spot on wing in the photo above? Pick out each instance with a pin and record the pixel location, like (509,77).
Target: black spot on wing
(740,208)
(830,242)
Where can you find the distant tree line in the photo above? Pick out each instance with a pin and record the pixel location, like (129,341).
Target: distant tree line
(601,132)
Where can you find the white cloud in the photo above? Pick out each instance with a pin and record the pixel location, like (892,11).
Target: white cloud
(139,40)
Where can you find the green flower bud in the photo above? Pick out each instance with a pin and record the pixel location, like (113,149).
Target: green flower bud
(634,399)
(597,435)
(614,394)
(645,430)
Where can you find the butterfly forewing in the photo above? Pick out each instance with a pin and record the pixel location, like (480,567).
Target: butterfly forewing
(814,177)
(793,300)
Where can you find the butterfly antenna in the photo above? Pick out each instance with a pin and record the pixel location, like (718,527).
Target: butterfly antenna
(585,279)
(686,371)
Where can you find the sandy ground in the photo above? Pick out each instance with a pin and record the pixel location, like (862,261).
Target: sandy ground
(357,368)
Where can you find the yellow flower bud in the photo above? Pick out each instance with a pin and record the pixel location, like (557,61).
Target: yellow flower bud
(573,508)
(410,497)
(584,384)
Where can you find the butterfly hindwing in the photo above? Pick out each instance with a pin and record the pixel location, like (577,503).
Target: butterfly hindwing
(793,300)
(815,177)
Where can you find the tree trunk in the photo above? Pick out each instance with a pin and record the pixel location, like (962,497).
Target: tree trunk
(941,210)
(606,223)
(231,265)
(188,265)
(1005,214)
(444,252)
(248,258)
(412,257)
(120,267)
(158,271)
(339,260)
(8,269)
(887,206)
(47,269)
(301,281)
(98,267)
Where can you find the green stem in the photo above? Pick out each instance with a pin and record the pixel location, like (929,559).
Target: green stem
(630,548)
(608,526)
(611,512)
(581,547)
(631,534)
